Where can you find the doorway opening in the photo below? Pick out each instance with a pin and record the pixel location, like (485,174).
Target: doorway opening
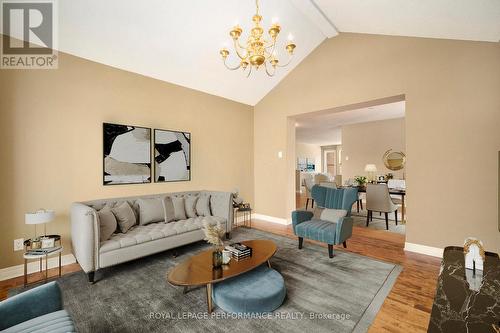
(346,147)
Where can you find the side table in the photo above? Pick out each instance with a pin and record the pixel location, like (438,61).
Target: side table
(247,216)
(40,256)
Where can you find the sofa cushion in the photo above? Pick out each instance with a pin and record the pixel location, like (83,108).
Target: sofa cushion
(146,233)
(203,205)
(124,216)
(332,215)
(54,322)
(151,210)
(179,208)
(190,202)
(168,209)
(107,223)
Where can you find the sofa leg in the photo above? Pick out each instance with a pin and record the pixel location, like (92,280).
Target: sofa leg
(330,250)
(301,241)
(228,235)
(91,276)
(345,244)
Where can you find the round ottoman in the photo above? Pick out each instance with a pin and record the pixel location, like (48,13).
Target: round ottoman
(258,291)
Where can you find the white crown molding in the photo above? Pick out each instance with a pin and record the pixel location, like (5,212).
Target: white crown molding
(424,249)
(272,219)
(34,266)
(311,10)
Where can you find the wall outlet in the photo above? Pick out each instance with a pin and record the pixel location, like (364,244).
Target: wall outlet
(19,244)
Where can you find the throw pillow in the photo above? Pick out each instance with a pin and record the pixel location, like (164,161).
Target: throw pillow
(179,208)
(107,223)
(203,205)
(125,216)
(168,209)
(190,202)
(333,215)
(150,210)
(317,212)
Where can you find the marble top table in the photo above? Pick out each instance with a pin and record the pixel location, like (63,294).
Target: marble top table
(458,309)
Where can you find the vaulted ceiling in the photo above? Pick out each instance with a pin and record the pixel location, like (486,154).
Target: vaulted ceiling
(179,41)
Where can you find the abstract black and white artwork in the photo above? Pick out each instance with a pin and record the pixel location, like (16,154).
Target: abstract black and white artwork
(172,156)
(127,154)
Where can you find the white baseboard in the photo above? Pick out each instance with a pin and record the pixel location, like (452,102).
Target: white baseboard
(424,249)
(34,266)
(270,219)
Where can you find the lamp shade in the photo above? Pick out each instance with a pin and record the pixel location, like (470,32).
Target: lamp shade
(370,168)
(39,217)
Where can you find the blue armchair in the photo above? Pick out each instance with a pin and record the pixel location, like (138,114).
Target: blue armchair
(39,309)
(332,233)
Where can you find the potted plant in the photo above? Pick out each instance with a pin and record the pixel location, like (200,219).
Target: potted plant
(213,235)
(360,180)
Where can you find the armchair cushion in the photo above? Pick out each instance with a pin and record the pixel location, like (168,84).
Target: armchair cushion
(54,322)
(319,230)
(30,304)
(325,231)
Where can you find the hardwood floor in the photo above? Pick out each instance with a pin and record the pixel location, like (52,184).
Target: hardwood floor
(408,306)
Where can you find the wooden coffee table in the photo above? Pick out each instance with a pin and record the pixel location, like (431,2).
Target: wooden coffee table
(198,270)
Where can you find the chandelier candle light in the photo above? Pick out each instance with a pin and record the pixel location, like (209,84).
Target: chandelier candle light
(258,52)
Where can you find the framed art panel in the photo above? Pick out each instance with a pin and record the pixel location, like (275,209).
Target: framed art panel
(127,154)
(172,155)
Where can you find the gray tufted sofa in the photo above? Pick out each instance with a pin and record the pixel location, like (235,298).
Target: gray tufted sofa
(141,240)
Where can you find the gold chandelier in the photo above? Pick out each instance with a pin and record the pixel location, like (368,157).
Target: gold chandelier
(258,52)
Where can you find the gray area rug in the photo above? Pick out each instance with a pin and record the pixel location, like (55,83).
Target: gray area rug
(342,294)
(378,223)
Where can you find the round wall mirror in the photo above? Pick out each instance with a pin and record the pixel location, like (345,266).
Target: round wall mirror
(394,160)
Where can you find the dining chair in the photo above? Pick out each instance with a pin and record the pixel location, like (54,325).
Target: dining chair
(328,184)
(359,202)
(399,184)
(309,183)
(378,199)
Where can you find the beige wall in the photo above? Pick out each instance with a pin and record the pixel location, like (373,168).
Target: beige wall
(452,91)
(51,140)
(305,150)
(366,143)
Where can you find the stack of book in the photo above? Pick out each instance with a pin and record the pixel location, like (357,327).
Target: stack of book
(43,251)
(239,251)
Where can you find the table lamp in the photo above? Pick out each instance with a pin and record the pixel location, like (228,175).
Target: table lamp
(41,216)
(371,169)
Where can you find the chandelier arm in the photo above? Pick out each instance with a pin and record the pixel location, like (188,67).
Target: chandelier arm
(267,70)
(238,51)
(271,44)
(273,50)
(290,58)
(231,68)
(249,71)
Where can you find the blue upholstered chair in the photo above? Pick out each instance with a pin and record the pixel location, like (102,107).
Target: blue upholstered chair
(332,233)
(39,309)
